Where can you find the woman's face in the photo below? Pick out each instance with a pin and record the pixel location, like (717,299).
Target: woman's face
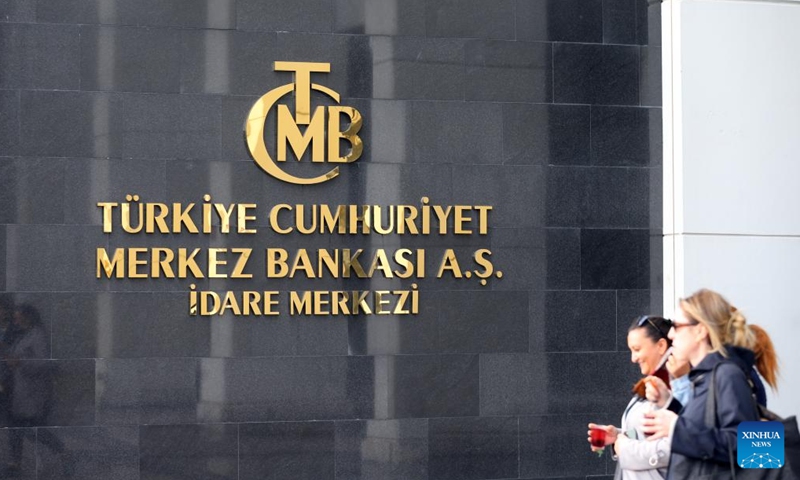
(644,351)
(684,336)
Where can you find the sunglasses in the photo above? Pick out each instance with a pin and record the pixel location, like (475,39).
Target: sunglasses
(677,325)
(647,319)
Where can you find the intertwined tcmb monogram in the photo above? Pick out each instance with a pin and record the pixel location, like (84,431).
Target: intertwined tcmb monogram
(288,125)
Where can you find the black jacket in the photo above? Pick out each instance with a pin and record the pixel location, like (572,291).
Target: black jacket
(691,438)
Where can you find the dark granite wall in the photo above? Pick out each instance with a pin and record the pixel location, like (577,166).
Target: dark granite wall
(548,110)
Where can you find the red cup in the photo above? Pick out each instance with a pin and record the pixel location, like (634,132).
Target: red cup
(598,437)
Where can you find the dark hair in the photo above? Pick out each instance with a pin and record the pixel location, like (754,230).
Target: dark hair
(31,313)
(655,327)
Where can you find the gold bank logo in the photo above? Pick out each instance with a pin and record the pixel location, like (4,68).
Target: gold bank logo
(303,129)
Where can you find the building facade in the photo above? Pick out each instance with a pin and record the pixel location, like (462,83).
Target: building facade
(528,132)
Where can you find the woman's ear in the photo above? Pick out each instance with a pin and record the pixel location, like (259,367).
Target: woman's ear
(702,334)
(662,346)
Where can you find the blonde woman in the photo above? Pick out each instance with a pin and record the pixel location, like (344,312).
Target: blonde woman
(709,333)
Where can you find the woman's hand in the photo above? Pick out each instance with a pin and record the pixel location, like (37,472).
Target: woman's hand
(611,435)
(658,424)
(656,391)
(677,368)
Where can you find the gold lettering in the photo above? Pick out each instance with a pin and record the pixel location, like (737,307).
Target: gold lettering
(400,307)
(180,217)
(134,262)
(241,262)
(224,217)
(481,258)
(214,262)
(250,301)
(449,262)
(380,302)
(462,217)
(276,263)
(204,297)
(189,263)
(298,304)
(108,209)
(273,218)
(230,303)
(115,265)
(161,259)
(289,130)
(154,218)
(270,302)
(302,262)
(334,135)
(321,302)
(243,217)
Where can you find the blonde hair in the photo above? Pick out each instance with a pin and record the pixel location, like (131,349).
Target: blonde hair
(726,325)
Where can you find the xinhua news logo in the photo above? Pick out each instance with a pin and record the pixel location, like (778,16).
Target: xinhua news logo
(760,445)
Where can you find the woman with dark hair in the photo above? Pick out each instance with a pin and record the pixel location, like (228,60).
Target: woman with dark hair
(715,338)
(638,458)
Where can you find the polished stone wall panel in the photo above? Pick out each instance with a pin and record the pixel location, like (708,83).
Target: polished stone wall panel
(650,76)
(563,252)
(473,448)
(130,59)
(502,186)
(546,134)
(297,388)
(380,17)
(148,391)
(620,136)
(27,461)
(227,62)
(631,304)
(39,56)
(382,449)
(61,393)
(18,11)
(32,190)
(546,110)
(560,21)
(533,384)
(296,450)
(89,181)
(9,122)
(168,126)
(71,124)
(418,68)
(595,74)
(508,71)
(427,386)
(219,14)
(131,325)
(620,21)
(3,255)
(274,15)
(566,312)
(598,197)
(615,259)
(189,452)
(454,132)
(470,18)
(95,453)
(48,269)
(556,453)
